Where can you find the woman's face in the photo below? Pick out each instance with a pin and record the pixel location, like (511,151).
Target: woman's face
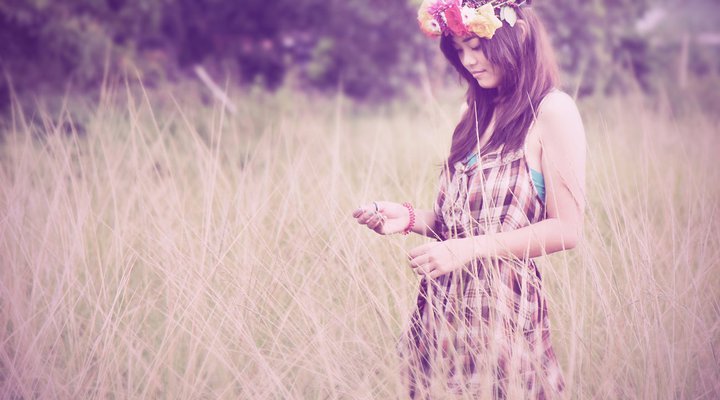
(474,60)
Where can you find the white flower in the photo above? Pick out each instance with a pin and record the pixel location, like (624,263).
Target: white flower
(468,14)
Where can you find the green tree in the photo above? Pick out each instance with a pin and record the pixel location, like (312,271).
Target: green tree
(356,42)
(596,41)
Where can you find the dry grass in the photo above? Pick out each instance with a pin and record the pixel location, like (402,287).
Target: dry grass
(162,249)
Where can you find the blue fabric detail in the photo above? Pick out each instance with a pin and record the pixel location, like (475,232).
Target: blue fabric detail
(539,182)
(471,160)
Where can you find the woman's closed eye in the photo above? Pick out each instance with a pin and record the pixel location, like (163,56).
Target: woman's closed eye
(460,50)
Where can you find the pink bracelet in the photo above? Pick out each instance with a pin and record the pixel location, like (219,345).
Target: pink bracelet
(411,224)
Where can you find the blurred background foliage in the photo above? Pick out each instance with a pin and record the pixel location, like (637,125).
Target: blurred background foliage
(371,49)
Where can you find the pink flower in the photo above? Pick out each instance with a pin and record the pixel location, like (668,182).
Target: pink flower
(439,6)
(454,20)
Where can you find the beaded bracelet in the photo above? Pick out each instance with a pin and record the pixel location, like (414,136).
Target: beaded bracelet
(411,224)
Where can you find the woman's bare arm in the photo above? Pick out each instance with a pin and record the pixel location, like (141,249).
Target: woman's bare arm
(562,137)
(563,163)
(425,223)
(392,218)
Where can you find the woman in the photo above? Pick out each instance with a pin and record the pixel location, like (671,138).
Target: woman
(512,189)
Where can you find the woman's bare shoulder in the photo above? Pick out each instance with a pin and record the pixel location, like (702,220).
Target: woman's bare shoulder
(557,103)
(559,113)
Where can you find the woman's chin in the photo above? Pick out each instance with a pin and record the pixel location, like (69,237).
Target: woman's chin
(486,85)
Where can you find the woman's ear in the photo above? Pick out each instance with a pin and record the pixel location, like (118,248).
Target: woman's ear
(524,29)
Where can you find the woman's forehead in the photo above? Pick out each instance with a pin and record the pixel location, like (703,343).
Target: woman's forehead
(469,39)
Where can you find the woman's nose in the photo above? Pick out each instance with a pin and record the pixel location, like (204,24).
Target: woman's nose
(469,58)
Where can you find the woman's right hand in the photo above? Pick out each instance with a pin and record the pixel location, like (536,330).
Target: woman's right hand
(389,218)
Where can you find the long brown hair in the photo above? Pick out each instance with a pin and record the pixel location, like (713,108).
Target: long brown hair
(528,73)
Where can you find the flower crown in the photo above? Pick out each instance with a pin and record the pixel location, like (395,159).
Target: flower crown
(463,17)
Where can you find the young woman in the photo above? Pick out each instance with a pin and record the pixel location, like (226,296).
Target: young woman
(512,189)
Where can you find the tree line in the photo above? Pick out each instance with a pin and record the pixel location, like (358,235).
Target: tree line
(369,48)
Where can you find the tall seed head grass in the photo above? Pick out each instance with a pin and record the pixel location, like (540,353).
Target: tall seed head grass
(152,246)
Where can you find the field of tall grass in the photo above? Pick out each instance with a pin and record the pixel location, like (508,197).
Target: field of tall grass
(156,246)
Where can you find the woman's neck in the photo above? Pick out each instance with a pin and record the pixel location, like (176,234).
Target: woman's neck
(487,134)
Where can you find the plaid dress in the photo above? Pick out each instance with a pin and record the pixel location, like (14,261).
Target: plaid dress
(483,331)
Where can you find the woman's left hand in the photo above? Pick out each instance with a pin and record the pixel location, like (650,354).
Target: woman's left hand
(438,258)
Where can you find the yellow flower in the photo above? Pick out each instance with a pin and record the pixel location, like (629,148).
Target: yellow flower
(484,23)
(428,24)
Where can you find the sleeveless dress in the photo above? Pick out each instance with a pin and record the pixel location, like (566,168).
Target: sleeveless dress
(483,331)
